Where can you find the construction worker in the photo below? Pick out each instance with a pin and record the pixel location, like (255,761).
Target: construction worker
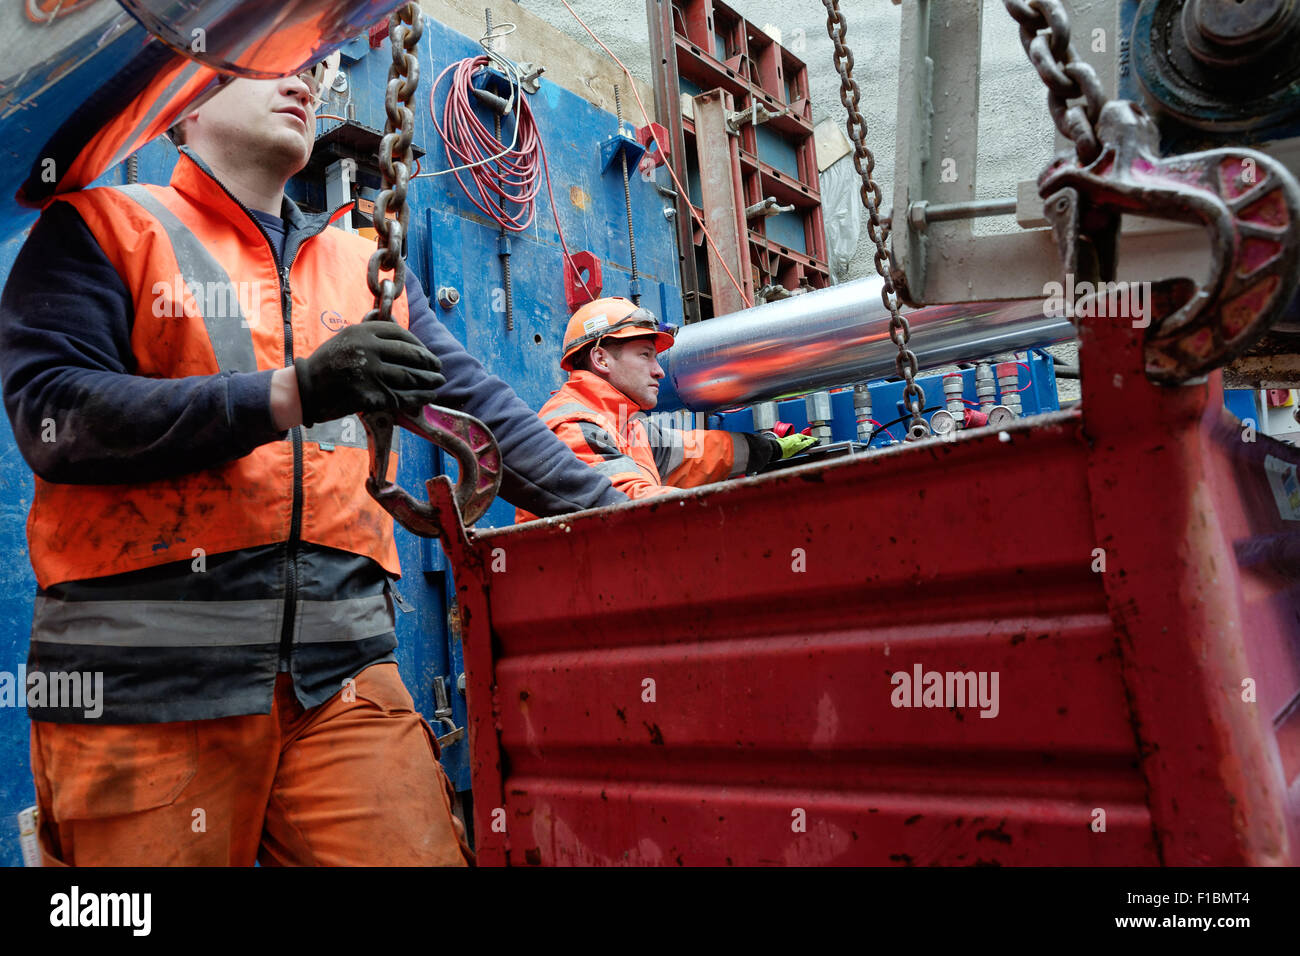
(200,530)
(611,349)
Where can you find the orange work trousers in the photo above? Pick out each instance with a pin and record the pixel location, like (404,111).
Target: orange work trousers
(355,781)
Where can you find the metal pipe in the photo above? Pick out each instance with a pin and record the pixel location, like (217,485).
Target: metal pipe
(835,336)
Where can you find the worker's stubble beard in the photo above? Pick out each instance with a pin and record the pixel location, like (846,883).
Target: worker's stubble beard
(248,146)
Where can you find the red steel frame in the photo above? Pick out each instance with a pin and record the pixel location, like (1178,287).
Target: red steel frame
(1124,693)
(724,204)
(712,46)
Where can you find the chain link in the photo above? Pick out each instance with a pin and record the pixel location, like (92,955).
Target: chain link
(396,160)
(1067,77)
(865,163)
(627,200)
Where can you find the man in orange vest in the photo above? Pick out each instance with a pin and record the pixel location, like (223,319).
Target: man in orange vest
(182,367)
(611,349)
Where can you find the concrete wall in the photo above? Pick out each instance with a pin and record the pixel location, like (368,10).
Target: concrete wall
(1015,131)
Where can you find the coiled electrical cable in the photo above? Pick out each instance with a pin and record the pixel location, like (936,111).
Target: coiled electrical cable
(504,180)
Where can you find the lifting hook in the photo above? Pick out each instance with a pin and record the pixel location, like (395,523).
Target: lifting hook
(1247,202)
(448,510)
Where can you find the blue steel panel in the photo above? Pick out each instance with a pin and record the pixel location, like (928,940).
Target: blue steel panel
(19,585)
(787,229)
(775,151)
(1241,402)
(421,609)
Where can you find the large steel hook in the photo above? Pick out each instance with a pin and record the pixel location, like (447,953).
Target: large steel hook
(447,509)
(1248,204)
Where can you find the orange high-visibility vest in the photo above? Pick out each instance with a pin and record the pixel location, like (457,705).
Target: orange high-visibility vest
(209,297)
(640,455)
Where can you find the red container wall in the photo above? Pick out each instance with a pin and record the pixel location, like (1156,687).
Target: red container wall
(710,680)
(723,677)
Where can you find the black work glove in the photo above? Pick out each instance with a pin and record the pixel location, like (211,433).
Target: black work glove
(368,367)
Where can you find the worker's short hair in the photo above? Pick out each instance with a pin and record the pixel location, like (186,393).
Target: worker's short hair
(177,134)
(582,359)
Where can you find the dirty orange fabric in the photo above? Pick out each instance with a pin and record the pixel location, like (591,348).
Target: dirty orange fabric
(88,531)
(624,452)
(352,782)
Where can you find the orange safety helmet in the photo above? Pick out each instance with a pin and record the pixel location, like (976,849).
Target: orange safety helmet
(610,318)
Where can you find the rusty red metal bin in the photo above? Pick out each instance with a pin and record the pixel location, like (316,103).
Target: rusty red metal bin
(714,678)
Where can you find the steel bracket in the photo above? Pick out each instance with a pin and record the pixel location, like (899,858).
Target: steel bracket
(937,155)
(618,144)
(577,293)
(647,136)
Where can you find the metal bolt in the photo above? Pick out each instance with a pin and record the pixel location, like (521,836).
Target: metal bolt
(953,384)
(670,213)
(460,682)
(448,296)
(986,388)
(765,414)
(1008,386)
(862,412)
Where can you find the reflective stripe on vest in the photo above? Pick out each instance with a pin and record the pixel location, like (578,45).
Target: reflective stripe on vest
(209,284)
(182,252)
(205,623)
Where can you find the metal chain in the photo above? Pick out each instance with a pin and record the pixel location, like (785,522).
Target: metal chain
(1067,77)
(395,162)
(627,199)
(865,163)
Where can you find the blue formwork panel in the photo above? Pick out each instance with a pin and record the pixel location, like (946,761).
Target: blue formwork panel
(451,244)
(787,228)
(776,151)
(16,593)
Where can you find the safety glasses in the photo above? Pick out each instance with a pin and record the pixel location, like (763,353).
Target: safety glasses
(641,319)
(320,77)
